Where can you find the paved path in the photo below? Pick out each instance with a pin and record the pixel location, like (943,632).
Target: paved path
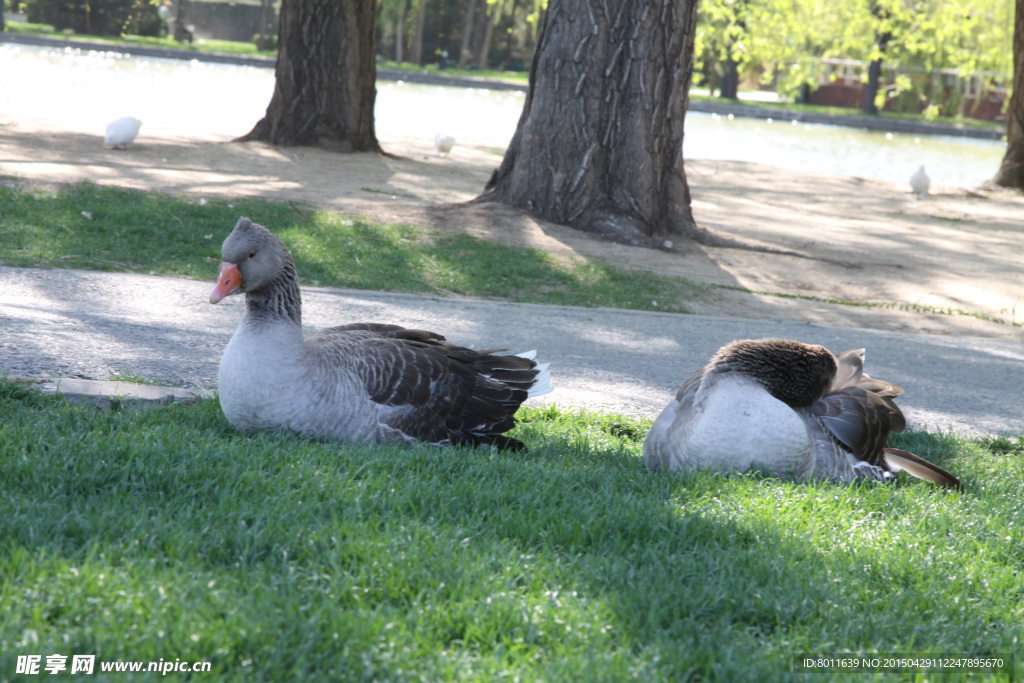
(81,324)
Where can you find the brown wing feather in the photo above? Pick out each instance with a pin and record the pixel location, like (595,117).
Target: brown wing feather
(921,468)
(437,390)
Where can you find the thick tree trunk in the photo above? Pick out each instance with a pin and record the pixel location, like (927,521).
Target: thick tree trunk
(1011,172)
(324,89)
(599,143)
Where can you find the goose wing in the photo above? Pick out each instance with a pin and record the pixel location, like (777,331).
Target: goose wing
(430,389)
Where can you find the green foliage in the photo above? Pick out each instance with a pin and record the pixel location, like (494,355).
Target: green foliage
(269,42)
(97,17)
(166,534)
(785,39)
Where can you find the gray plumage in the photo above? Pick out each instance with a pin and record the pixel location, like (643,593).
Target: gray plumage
(788,409)
(359,382)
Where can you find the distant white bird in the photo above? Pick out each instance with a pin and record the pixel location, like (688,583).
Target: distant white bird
(444,143)
(919,183)
(122,132)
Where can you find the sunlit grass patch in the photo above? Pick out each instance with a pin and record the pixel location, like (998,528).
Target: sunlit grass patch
(106,228)
(164,533)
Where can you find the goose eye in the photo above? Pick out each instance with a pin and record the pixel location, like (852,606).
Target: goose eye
(251,254)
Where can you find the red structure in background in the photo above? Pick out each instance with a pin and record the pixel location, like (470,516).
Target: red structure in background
(978,96)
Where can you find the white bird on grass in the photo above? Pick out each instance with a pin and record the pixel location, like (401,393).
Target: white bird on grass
(919,183)
(122,132)
(444,143)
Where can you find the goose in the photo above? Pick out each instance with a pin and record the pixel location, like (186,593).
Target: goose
(122,132)
(788,409)
(369,382)
(919,183)
(444,143)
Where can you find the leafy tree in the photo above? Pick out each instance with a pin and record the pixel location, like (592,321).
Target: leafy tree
(599,143)
(785,40)
(1011,171)
(324,88)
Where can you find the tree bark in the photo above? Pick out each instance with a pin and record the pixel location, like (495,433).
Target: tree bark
(416,52)
(324,90)
(467,34)
(599,143)
(868,106)
(1011,171)
(266,12)
(180,33)
(485,46)
(729,83)
(882,37)
(400,34)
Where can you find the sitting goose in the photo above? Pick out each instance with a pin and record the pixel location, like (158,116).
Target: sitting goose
(788,409)
(360,382)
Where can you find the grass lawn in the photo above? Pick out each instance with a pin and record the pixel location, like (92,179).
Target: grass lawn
(165,534)
(106,228)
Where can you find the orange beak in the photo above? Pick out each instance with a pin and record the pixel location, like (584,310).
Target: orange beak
(229,282)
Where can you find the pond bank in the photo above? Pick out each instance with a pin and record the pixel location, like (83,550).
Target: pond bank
(721,108)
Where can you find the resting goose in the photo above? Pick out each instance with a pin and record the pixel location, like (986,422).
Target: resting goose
(788,409)
(359,382)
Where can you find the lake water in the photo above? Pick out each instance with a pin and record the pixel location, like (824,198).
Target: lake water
(84,90)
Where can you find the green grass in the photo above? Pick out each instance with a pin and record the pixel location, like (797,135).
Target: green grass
(147,232)
(142,535)
(515,76)
(200,45)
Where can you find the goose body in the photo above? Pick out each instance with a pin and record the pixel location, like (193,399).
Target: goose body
(122,132)
(919,183)
(358,382)
(444,143)
(787,409)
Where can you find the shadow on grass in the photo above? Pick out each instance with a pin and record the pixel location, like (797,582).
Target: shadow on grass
(166,534)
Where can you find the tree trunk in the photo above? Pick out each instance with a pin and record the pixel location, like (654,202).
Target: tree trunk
(729,83)
(868,106)
(882,37)
(180,33)
(416,53)
(1011,172)
(400,34)
(324,88)
(467,34)
(485,47)
(599,143)
(266,12)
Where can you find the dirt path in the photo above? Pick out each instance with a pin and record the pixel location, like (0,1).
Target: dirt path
(860,240)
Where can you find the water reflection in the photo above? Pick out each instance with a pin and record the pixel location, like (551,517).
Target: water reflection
(84,90)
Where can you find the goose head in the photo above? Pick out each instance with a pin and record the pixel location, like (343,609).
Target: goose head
(795,373)
(252,258)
